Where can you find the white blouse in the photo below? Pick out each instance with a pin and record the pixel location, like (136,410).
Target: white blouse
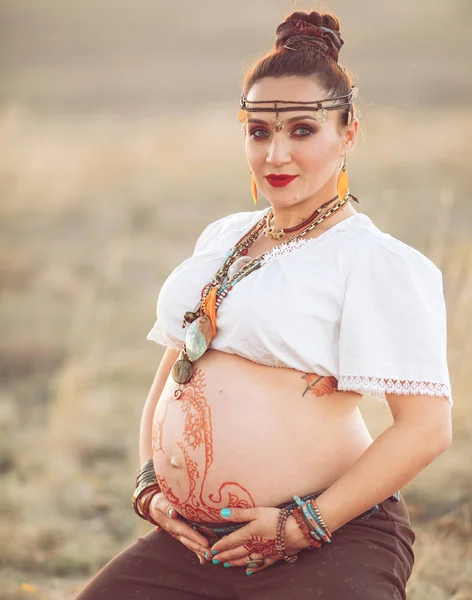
(354,303)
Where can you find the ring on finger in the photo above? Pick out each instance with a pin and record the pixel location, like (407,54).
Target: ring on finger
(254,563)
(170,512)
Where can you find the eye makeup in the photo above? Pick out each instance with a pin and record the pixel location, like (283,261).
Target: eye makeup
(299,126)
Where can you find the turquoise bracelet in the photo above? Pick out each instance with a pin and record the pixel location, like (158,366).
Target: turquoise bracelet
(321,530)
(315,531)
(317,534)
(317,526)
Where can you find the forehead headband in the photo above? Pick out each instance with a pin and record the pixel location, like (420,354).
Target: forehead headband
(319,107)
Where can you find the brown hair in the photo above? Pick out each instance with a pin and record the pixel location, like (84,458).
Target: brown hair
(305,58)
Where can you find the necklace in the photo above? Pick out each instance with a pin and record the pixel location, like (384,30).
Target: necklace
(277,234)
(202,320)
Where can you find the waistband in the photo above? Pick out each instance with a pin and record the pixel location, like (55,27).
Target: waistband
(215,531)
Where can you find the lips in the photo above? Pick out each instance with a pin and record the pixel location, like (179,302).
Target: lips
(280,180)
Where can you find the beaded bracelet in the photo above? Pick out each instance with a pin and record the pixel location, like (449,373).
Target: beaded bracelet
(279,536)
(318,527)
(315,530)
(299,518)
(314,520)
(314,506)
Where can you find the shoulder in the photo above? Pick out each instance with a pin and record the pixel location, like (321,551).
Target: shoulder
(227,227)
(383,256)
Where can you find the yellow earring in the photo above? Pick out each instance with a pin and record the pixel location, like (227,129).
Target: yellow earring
(343,182)
(254,189)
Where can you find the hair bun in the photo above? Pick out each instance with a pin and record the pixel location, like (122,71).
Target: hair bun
(327,39)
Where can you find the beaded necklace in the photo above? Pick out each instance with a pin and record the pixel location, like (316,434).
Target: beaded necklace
(236,266)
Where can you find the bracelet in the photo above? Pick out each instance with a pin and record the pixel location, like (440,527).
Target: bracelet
(145,482)
(314,506)
(310,514)
(144,506)
(146,472)
(315,530)
(279,537)
(139,491)
(318,527)
(299,518)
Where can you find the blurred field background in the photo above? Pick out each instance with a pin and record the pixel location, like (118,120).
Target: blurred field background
(118,143)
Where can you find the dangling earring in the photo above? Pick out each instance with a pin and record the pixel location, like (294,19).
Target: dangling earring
(253,189)
(343,181)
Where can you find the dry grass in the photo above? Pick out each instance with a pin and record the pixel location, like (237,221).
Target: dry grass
(95,214)
(98,205)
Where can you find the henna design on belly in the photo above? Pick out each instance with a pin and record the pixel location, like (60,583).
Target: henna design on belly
(260,545)
(196,446)
(320,385)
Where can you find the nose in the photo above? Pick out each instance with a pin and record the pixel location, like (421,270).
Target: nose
(278,152)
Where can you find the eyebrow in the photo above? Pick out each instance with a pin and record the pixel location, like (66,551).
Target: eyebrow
(291,120)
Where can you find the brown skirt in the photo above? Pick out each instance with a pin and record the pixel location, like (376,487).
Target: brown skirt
(368,559)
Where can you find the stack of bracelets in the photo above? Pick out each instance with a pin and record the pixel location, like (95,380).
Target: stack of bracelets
(146,487)
(310,521)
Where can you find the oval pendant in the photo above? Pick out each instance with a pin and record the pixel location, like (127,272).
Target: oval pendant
(238,264)
(182,371)
(198,338)
(190,316)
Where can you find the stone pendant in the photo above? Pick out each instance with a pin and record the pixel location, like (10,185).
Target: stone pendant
(182,371)
(238,264)
(198,338)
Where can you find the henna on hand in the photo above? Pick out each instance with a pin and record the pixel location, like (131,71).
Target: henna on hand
(260,545)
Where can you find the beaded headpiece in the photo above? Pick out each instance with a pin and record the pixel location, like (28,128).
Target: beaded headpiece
(327,42)
(319,107)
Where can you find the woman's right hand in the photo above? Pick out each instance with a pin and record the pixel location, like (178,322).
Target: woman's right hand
(163,513)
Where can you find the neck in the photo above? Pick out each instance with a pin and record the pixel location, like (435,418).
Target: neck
(291,216)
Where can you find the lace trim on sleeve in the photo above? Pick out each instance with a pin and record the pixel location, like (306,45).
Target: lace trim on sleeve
(376,387)
(158,335)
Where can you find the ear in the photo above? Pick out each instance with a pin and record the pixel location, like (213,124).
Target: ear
(350,133)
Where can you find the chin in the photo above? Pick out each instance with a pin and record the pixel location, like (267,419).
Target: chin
(284,201)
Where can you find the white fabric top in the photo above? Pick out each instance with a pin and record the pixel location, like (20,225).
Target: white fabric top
(354,303)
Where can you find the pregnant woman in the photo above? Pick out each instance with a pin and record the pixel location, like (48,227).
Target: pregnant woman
(258,470)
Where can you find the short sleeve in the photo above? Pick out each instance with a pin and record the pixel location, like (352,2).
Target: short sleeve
(393,326)
(208,235)
(158,334)
(214,238)
(222,234)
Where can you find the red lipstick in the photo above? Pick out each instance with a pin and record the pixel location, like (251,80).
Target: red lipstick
(280,180)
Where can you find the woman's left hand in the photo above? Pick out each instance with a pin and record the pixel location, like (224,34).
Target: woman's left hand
(257,538)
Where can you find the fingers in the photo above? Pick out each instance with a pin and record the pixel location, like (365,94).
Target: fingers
(191,545)
(233,554)
(231,541)
(170,521)
(243,560)
(238,515)
(268,562)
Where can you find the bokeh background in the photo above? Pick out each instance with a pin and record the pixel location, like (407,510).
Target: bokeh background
(119,142)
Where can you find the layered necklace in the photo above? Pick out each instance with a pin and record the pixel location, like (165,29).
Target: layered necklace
(236,266)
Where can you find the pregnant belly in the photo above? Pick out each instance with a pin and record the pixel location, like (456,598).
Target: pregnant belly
(244,435)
